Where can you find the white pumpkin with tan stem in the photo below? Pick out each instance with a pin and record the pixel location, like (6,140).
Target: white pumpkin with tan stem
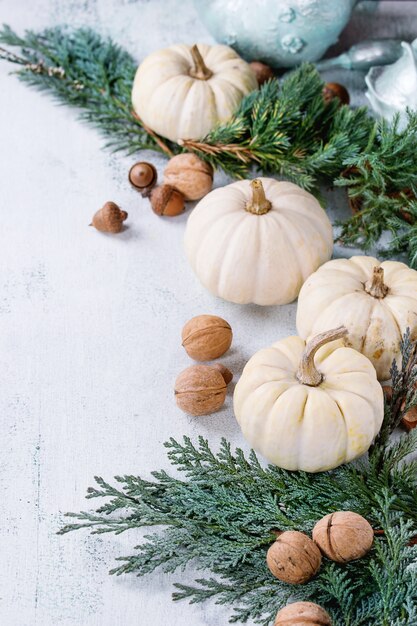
(182,92)
(309,407)
(257,241)
(376,302)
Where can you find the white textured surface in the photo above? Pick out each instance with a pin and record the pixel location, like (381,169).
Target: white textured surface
(90,335)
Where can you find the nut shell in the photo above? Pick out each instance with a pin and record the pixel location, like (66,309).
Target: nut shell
(206,337)
(189,175)
(109,219)
(302,614)
(200,389)
(226,373)
(293,558)
(166,200)
(143,177)
(262,72)
(343,536)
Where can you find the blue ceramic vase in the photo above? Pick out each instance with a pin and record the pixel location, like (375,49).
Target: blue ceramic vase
(282,33)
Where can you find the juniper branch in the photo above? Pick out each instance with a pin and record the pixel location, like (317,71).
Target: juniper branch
(225,512)
(81,69)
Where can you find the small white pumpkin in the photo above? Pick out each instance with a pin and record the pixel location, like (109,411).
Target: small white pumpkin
(182,92)
(307,411)
(376,302)
(257,241)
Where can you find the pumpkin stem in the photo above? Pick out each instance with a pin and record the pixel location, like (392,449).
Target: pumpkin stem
(375,286)
(259,205)
(307,373)
(200,69)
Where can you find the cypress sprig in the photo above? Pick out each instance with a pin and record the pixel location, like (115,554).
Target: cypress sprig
(81,69)
(224,513)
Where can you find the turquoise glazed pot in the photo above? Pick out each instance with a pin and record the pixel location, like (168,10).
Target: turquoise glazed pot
(282,33)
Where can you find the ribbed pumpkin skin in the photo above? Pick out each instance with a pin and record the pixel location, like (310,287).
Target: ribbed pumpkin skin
(262,259)
(336,295)
(299,427)
(177,106)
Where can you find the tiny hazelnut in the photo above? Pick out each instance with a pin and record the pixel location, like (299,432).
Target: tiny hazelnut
(200,389)
(302,614)
(335,90)
(109,219)
(206,337)
(343,536)
(225,372)
(190,175)
(293,558)
(166,200)
(143,177)
(262,72)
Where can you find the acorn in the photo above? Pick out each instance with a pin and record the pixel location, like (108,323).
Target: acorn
(143,177)
(109,219)
(335,90)
(166,200)
(262,72)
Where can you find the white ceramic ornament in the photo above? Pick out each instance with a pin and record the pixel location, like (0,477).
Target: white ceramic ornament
(376,302)
(182,92)
(393,88)
(309,407)
(257,241)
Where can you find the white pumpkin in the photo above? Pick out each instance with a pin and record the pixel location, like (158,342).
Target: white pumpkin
(182,92)
(308,411)
(257,241)
(376,302)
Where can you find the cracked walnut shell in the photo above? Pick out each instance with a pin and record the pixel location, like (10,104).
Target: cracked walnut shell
(343,536)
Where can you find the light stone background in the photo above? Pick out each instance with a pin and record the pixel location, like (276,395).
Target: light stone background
(90,330)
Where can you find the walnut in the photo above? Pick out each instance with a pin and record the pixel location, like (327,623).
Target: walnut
(206,337)
(302,614)
(200,389)
(343,536)
(293,558)
(190,175)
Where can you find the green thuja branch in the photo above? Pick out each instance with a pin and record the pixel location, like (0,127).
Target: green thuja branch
(382,185)
(81,69)
(286,128)
(224,512)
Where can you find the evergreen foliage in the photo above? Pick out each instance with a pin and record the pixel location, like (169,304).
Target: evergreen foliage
(224,514)
(285,128)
